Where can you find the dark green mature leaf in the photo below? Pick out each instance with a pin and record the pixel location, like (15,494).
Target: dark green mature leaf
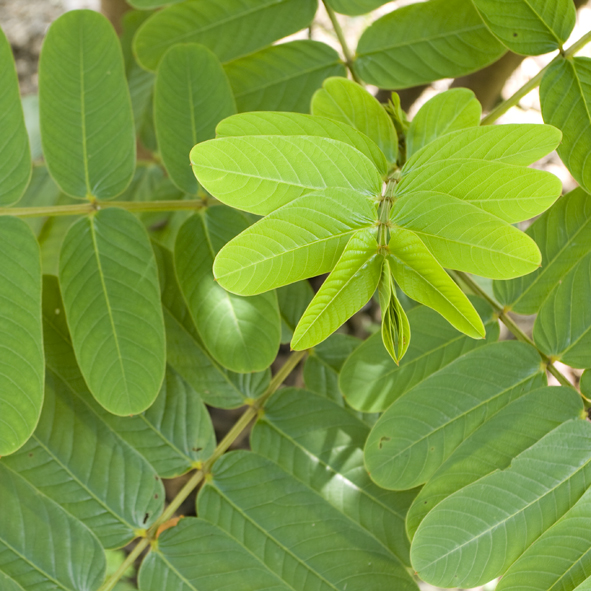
(109,283)
(290,124)
(585,383)
(421,278)
(242,334)
(259,174)
(563,234)
(345,101)
(415,45)
(424,426)
(21,340)
(529,27)
(287,525)
(520,504)
(447,111)
(371,381)
(187,354)
(565,95)
(464,237)
(41,545)
(86,118)
(293,300)
(321,445)
(324,363)
(494,445)
(230,28)
(302,239)
(15,154)
(282,77)
(563,326)
(346,290)
(191,96)
(355,7)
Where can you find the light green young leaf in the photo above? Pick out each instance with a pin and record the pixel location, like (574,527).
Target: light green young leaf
(290,124)
(293,300)
(519,144)
(242,334)
(522,502)
(187,354)
(423,427)
(15,154)
(565,95)
(302,239)
(73,561)
(493,446)
(282,77)
(259,174)
(184,113)
(563,234)
(447,111)
(21,341)
(511,193)
(395,326)
(584,586)
(230,28)
(295,432)
(563,326)
(414,45)
(346,290)
(371,381)
(421,278)
(529,27)
(345,101)
(109,283)
(355,7)
(464,237)
(86,118)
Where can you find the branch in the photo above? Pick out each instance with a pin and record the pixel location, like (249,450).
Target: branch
(239,427)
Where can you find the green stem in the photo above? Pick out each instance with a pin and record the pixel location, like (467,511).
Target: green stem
(512,101)
(239,427)
(349,59)
(510,324)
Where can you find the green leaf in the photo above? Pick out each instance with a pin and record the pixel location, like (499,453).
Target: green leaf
(585,383)
(421,278)
(563,234)
(447,111)
(371,381)
(563,326)
(464,237)
(9,584)
(565,96)
(73,561)
(493,446)
(242,334)
(86,119)
(259,174)
(518,144)
(302,239)
(187,354)
(529,27)
(151,4)
(416,45)
(230,28)
(185,115)
(324,363)
(345,101)
(521,502)
(346,290)
(282,77)
(294,433)
(355,7)
(109,283)
(424,426)
(30,104)
(293,300)
(15,154)
(584,586)
(21,341)
(395,325)
(290,124)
